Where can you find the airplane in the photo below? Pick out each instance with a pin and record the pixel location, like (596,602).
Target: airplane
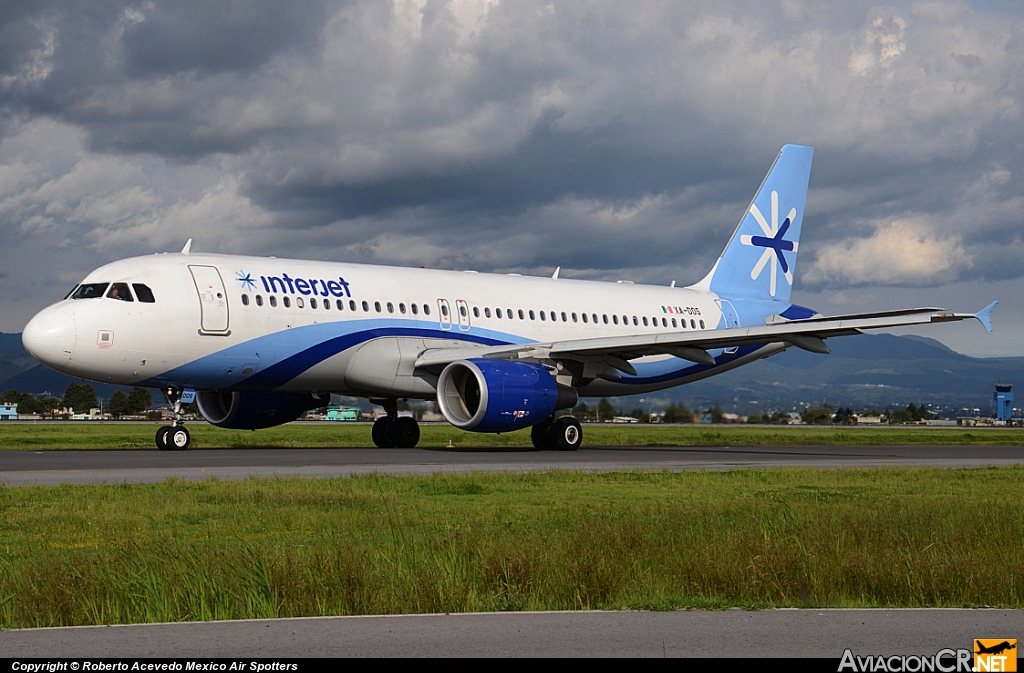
(258,341)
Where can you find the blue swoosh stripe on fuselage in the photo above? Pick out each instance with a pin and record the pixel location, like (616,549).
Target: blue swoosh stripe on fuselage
(294,351)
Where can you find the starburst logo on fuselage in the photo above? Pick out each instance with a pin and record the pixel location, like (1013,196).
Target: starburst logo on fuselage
(246,280)
(773,242)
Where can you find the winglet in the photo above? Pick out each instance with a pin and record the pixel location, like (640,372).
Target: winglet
(984,316)
(555,274)
(187,248)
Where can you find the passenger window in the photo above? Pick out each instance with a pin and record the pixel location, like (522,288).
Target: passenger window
(693,324)
(273,301)
(426,309)
(415,309)
(259,300)
(574,317)
(120,292)
(532,317)
(245,300)
(444,310)
(584,317)
(497,312)
(615,319)
(401,309)
(462,310)
(144,294)
(604,317)
(636,322)
(594,316)
(340,304)
(702,324)
(366,307)
(327,304)
(487,312)
(287,302)
(564,319)
(299,303)
(522,316)
(376,306)
(391,307)
(673,322)
(542,315)
(664,322)
(476,312)
(645,321)
(312,302)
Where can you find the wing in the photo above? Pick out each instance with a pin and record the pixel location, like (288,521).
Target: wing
(610,356)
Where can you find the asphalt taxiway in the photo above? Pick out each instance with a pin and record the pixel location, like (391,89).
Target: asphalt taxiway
(686,633)
(144,466)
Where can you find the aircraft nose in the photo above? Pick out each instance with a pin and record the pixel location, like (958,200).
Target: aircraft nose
(50,337)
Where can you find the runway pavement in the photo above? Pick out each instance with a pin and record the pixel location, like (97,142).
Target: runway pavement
(689,633)
(142,466)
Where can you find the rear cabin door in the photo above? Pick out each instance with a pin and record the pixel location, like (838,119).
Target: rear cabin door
(212,299)
(444,314)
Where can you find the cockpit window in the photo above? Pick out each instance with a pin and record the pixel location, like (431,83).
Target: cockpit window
(120,291)
(89,291)
(144,294)
(68,295)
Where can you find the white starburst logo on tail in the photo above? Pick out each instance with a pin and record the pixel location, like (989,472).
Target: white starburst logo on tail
(773,242)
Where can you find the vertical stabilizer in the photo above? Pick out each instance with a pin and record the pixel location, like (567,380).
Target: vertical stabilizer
(760,258)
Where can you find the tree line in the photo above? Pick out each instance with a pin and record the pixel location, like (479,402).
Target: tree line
(80,398)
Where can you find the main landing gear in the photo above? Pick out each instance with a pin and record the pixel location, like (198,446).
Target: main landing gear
(558,434)
(173,437)
(394,431)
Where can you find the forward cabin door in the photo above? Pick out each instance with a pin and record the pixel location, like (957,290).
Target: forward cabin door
(212,299)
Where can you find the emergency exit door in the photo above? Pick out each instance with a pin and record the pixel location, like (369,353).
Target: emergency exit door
(213,299)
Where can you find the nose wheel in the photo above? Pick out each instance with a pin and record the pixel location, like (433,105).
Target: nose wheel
(173,437)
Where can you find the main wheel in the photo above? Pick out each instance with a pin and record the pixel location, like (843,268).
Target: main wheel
(406,432)
(383,433)
(161,438)
(542,436)
(567,434)
(178,438)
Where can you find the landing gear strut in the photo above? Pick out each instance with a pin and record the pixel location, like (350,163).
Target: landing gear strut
(173,437)
(557,434)
(392,431)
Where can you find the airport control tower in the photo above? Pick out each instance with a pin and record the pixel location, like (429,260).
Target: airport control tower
(1004,402)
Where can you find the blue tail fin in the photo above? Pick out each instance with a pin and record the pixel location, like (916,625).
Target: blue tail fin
(760,258)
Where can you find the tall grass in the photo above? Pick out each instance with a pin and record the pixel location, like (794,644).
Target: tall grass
(451,543)
(99,435)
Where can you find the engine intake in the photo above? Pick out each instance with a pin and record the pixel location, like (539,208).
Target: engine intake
(499,396)
(254,410)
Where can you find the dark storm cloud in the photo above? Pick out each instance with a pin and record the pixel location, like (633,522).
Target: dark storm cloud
(615,140)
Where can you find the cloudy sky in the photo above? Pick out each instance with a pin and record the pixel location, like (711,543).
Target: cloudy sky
(616,140)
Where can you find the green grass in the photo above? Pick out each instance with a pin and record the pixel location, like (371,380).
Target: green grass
(886,537)
(98,435)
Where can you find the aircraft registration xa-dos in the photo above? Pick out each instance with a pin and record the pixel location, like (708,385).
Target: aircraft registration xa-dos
(258,341)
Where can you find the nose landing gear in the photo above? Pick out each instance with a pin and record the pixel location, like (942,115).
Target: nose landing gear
(175,437)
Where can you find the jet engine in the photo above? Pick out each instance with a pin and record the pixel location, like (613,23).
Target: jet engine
(498,395)
(254,410)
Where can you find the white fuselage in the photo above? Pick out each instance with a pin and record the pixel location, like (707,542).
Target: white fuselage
(220,322)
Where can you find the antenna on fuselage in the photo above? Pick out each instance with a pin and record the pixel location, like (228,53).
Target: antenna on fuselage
(672,284)
(187,248)
(555,274)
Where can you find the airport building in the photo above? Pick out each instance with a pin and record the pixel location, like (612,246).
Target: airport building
(1003,399)
(8,412)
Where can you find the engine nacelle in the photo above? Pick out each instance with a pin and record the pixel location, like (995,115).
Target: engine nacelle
(499,396)
(253,410)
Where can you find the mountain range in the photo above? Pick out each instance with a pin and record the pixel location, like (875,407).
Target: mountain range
(864,372)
